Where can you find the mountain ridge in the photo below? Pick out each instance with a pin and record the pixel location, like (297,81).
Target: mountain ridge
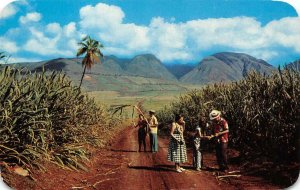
(222,66)
(225,66)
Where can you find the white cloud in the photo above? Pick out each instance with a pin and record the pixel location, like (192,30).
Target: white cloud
(8,46)
(53,28)
(284,32)
(8,11)
(41,44)
(106,22)
(22,60)
(264,54)
(70,29)
(30,17)
(102,16)
(186,40)
(168,40)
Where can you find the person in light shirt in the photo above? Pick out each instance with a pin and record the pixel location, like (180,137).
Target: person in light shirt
(153,126)
(221,130)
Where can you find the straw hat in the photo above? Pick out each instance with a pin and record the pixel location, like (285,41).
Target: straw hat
(214,114)
(152,111)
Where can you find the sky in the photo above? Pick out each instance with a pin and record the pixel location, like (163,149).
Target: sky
(181,31)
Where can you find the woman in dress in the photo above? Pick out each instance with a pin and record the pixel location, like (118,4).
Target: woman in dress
(177,147)
(142,131)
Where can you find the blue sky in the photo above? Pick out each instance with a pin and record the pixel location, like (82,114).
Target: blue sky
(181,31)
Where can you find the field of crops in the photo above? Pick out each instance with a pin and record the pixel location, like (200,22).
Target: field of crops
(263,113)
(44,117)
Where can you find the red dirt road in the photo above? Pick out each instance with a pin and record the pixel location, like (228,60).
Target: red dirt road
(148,170)
(122,167)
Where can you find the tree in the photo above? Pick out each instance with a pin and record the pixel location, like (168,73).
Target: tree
(91,49)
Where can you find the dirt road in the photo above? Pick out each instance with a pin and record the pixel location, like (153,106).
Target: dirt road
(148,170)
(122,167)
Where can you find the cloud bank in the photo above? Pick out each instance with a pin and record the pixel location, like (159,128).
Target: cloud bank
(169,40)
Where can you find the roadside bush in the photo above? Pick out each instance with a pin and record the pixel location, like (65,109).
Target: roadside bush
(43,116)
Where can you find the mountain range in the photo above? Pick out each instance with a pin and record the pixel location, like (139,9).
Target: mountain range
(116,73)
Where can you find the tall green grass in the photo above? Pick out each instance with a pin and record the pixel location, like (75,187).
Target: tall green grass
(44,117)
(263,113)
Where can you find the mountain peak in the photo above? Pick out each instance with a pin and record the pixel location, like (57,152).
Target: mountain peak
(147,57)
(226,66)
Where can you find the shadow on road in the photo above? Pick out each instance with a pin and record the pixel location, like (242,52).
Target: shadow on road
(119,150)
(154,168)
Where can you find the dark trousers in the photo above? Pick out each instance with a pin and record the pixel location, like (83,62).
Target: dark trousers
(142,139)
(221,154)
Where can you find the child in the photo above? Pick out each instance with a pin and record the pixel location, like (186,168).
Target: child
(197,157)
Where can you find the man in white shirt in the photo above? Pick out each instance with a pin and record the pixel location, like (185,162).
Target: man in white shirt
(153,125)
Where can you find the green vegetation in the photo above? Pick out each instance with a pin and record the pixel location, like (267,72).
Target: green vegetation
(263,113)
(91,49)
(45,117)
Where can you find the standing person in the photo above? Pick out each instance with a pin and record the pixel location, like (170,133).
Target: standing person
(197,156)
(221,130)
(199,136)
(177,148)
(153,125)
(142,131)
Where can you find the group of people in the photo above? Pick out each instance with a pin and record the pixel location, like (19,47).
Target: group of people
(177,147)
(148,126)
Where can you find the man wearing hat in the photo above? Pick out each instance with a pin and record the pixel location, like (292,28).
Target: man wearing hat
(221,129)
(153,125)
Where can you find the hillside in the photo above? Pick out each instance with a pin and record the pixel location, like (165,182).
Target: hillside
(225,67)
(141,73)
(178,70)
(125,75)
(148,66)
(294,65)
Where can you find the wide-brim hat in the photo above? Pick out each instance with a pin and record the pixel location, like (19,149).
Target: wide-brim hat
(152,111)
(214,114)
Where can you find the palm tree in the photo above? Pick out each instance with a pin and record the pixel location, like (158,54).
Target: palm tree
(91,49)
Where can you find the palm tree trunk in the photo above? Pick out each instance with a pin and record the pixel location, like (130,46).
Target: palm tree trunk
(82,76)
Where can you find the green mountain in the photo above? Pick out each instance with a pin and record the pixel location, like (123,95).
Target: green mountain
(147,73)
(225,66)
(141,73)
(148,66)
(142,65)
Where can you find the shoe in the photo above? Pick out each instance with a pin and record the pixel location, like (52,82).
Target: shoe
(198,169)
(179,170)
(182,169)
